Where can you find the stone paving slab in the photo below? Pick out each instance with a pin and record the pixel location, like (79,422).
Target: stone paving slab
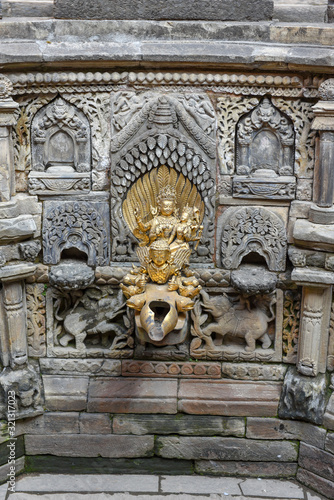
(272,488)
(152,487)
(193,484)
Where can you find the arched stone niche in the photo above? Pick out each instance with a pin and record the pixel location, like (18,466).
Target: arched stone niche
(76,225)
(173,130)
(265,140)
(61,150)
(253,230)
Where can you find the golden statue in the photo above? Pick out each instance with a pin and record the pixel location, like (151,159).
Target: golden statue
(151,209)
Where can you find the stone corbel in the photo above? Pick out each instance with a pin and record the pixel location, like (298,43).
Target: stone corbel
(18,375)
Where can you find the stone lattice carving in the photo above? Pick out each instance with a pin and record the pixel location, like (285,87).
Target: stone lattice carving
(330,357)
(302,116)
(35,294)
(61,149)
(163,131)
(230,110)
(265,141)
(94,322)
(253,229)
(291,316)
(232,327)
(76,224)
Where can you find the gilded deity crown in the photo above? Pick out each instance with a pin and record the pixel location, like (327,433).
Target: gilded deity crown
(167,193)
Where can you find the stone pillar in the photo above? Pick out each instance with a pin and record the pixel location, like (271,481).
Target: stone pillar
(323,188)
(313,333)
(13,337)
(7,120)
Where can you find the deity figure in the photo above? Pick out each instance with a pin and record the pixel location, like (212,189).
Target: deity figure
(162,289)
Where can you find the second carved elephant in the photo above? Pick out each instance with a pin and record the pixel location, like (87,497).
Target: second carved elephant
(240,320)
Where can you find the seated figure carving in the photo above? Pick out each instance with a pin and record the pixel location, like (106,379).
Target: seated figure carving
(164,253)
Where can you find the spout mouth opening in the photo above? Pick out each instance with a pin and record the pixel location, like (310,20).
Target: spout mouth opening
(160,310)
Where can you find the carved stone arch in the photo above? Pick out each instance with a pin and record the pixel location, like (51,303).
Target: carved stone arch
(272,132)
(62,167)
(80,225)
(161,133)
(253,229)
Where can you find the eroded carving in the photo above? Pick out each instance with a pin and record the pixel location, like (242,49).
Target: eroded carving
(232,327)
(61,149)
(36,330)
(93,322)
(291,315)
(253,229)
(76,225)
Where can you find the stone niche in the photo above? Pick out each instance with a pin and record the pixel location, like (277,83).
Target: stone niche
(61,150)
(265,154)
(153,130)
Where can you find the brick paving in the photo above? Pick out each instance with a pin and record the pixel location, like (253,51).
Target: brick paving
(152,487)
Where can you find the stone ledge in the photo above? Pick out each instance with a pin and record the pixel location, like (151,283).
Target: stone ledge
(214,448)
(246,469)
(87,445)
(229,397)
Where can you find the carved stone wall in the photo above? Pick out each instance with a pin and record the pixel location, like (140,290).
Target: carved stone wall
(236,155)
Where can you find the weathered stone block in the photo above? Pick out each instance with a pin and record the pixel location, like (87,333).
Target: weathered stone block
(225,10)
(328,420)
(82,465)
(132,395)
(65,393)
(316,482)
(270,428)
(5,469)
(247,469)
(79,445)
(50,423)
(303,398)
(229,397)
(179,424)
(5,449)
(317,461)
(329,444)
(94,423)
(214,448)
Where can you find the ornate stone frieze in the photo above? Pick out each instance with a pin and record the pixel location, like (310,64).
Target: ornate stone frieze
(163,131)
(35,294)
(253,229)
(253,371)
(170,369)
(90,323)
(232,327)
(289,85)
(61,149)
(77,225)
(291,317)
(67,366)
(272,187)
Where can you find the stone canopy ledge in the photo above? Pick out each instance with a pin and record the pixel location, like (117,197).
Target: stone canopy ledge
(230,43)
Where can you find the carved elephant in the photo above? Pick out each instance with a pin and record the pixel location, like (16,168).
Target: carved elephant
(249,324)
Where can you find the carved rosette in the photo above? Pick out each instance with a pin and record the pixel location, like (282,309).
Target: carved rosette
(326,90)
(253,229)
